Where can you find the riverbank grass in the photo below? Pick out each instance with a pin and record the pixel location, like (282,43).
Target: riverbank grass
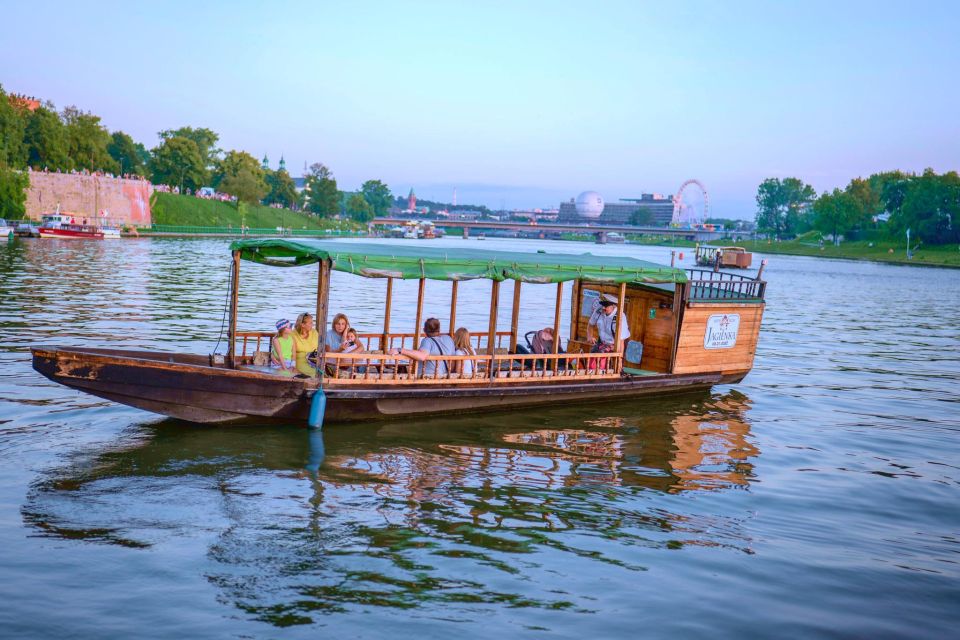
(880,251)
(171,209)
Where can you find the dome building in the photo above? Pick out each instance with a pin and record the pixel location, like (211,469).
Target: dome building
(589,205)
(589,208)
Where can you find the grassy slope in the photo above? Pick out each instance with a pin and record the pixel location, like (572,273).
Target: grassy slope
(172,209)
(942,255)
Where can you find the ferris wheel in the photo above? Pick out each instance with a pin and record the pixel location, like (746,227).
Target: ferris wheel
(690,205)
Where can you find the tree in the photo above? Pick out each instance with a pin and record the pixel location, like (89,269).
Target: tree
(931,207)
(359,208)
(836,213)
(641,217)
(205,139)
(377,195)
(13,191)
(46,140)
(322,197)
(782,206)
(87,141)
(177,162)
(283,191)
(12,150)
(124,151)
(240,175)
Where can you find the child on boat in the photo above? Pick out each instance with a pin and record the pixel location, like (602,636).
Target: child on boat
(461,340)
(281,352)
(350,342)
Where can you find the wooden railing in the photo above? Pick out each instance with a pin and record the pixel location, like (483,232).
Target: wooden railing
(708,285)
(500,368)
(249,342)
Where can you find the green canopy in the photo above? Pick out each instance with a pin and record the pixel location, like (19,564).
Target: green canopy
(383,260)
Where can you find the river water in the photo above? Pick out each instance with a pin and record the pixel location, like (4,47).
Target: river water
(819,497)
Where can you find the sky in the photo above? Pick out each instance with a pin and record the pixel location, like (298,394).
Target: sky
(518,104)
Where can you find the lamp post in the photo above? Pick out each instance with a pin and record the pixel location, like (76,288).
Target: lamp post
(909,252)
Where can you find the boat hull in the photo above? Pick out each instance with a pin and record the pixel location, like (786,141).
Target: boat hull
(187,387)
(68,234)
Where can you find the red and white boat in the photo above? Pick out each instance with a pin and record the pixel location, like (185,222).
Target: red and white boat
(70,226)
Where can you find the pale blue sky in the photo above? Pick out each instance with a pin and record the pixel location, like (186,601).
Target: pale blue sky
(524,103)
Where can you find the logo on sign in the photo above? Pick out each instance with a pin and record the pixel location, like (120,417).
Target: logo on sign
(721,331)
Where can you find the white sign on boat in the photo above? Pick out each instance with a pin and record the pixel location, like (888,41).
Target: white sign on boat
(721,331)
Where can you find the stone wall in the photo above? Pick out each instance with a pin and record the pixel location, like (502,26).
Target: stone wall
(123,201)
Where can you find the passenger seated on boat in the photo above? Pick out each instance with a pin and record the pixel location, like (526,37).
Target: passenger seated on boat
(433,345)
(306,339)
(282,348)
(336,333)
(461,342)
(603,325)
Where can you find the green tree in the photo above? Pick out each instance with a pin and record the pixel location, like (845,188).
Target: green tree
(240,175)
(13,191)
(12,150)
(931,207)
(125,153)
(87,141)
(205,139)
(322,197)
(359,208)
(177,163)
(836,213)
(46,140)
(782,206)
(283,191)
(642,217)
(378,196)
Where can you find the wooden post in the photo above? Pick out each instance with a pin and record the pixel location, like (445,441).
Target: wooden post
(323,301)
(492,328)
(385,338)
(556,325)
(621,314)
(234,300)
(416,329)
(453,307)
(515,318)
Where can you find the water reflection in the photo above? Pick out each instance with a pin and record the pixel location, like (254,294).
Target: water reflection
(413,514)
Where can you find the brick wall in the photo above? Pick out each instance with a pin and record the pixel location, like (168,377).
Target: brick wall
(126,201)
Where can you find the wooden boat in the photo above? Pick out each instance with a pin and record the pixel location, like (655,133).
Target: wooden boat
(688,330)
(723,257)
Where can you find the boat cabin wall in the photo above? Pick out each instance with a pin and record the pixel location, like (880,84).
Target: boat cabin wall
(650,317)
(718,337)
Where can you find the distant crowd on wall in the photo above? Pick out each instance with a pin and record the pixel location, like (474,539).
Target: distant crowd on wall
(99,174)
(204,193)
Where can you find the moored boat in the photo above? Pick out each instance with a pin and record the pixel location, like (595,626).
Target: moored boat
(685,330)
(71,226)
(723,257)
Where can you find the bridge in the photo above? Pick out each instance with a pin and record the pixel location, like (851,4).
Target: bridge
(545,230)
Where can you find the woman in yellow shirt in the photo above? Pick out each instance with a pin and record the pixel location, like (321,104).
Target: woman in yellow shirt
(305,341)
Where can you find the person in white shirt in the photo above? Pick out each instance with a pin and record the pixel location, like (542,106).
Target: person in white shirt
(602,328)
(433,344)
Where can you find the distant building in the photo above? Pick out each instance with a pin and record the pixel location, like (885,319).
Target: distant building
(412,201)
(660,207)
(23,102)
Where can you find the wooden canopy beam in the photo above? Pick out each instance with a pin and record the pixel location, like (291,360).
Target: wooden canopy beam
(416,329)
(453,307)
(515,317)
(323,303)
(234,301)
(492,328)
(385,338)
(556,325)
